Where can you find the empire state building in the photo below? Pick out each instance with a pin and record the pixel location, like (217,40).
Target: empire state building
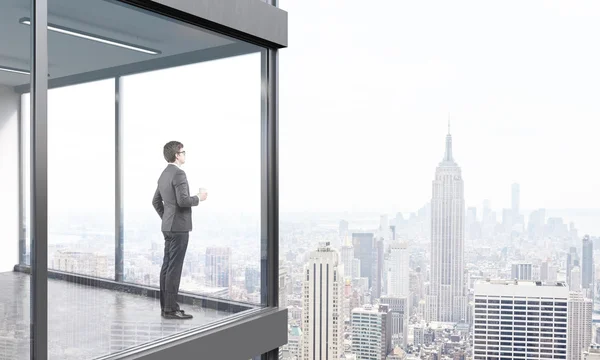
(447,300)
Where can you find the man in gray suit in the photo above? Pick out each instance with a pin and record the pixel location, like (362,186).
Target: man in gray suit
(173,204)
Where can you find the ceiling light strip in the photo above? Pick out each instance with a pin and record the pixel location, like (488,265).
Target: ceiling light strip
(14,70)
(92,37)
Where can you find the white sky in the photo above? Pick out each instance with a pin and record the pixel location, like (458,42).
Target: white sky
(366,90)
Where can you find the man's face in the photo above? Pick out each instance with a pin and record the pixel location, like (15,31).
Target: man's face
(181,156)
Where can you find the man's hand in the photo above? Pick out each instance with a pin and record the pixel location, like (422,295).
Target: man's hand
(202,194)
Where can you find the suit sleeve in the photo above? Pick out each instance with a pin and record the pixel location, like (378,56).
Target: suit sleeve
(182,192)
(157,202)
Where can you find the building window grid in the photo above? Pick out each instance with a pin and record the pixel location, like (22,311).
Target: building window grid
(556,317)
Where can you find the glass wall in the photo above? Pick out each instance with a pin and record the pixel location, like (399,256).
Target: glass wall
(217,119)
(122,84)
(15,67)
(81,178)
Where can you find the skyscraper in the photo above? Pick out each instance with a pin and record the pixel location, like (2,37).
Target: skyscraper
(399,270)
(580,325)
(523,335)
(347,258)
(572,261)
(400,311)
(447,300)
(343,229)
(575,284)
(364,250)
(544,269)
(371,332)
(217,268)
(377,270)
(587,264)
(322,309)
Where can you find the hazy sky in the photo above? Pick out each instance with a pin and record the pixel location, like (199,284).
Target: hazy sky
(365,93)
(366,90)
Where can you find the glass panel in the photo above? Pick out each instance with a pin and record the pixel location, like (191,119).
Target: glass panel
(218,123)
(122,74)
(15,67)
(81,178)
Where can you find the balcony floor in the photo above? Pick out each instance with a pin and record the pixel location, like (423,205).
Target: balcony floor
(86,322)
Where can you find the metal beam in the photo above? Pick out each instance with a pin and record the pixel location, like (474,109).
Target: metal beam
(22,197)
(270,76)
(270,187)
(119,250)
(39,182)
(253,21)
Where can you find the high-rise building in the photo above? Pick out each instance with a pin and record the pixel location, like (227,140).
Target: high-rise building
(487,211)
(364,250)
(384,227)
(283,285)
(347,258)
(378,270)
(371,332)
(575,284)
(580,325)
(322,311)
(544,269)
(552,273)
(217,267)
(525,335)
(399,309)
(399,270)
(343,231)
(447,300)
(252,277)
(294,342)
(355,268)
(522,271)
(572,261)
(537,221)
(587,264)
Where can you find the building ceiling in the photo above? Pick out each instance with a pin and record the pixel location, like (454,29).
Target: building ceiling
(69,55)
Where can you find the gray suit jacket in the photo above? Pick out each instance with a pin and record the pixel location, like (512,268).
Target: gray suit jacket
(172,200)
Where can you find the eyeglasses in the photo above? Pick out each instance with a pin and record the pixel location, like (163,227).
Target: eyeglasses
(181,152)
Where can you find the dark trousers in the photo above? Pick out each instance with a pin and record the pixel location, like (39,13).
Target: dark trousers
(170,274)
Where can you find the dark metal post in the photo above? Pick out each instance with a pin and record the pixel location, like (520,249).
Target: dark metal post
(22,197)
(269,198)
(118,184)
(270,184)
(39,181)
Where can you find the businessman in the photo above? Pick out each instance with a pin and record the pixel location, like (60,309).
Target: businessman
(173,204)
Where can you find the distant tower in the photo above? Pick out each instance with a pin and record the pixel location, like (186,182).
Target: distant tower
(447,300)
(587,265)
(322,308)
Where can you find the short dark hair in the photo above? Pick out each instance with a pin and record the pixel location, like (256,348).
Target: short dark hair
(171,149)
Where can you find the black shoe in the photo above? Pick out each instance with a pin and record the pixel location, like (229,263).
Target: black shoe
(179,314)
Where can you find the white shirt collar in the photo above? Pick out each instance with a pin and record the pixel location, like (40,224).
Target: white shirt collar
(175,165)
